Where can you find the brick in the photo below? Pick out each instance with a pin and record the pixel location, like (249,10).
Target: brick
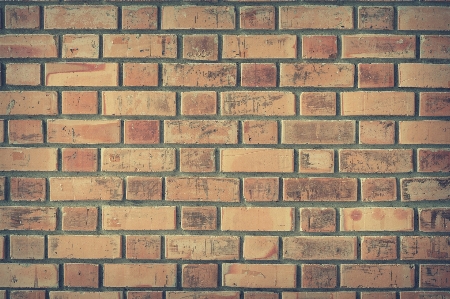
(425,248)
(25,131)
(434,220)
(138,218)
(201,47)
(320,189)
(378,295)
(423,75)
(317,75)
(267,103)
(202,189)
(2,188)
(140,45)
(423,18)
(68,17)
(424,295)
(418,189)
(202,247)
(316,17)
(256,160)
(259,46)
(434,104)
(28,275)
(320,248)
(377,219)
(318,132)
(378,189)
(140,275)
(146,103)
(261,189)
(143,188)
(258,75)
(28,46)
(257,17)
(377,276)
(200,131)
(84,247)
(197,160)
(26,247)
(83,131)
(424,132)
(260,132)
(28,159)
(198,103)
(316,161)
(379,248)
(28,102)
(198,17)
(79,102)
(319,295)
(81,74)
(21,17)
(377,103)
(435,46)
(260,295)
(317,220)
(34,294)
(199,74)
(375,160)
(139,17)
(81,275)
(28,218)
(85,188)
(199,275)
(144,295)
(259,275)
(376,17)
(80,46)
(79,159)
(319,46)
(318,103)
(23,74)
(79,218)
(375,75)
(319,276)
(85,295)
(378,46)
(143,247)
(434,276)
(27,189)
(141,131)
(377,132)
(2,130)
(257,219)
(260,248)
(433,160)
(140,74)
(199,218)
(202,295)
(138,159)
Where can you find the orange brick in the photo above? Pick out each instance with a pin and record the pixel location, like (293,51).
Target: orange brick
(84,295)
(319,276)
(80,46)
(144,295)
(320,248)
(28,275)
(79,218)
(377,132)
(86,188)
(257,219)
(26,247)
(319,46)
(93,16)
(200,131)
(138,159)
(144,188)
(316,161)
(434,276)
(424,132)
(27,189)
(378,46)
(316,17)
(315,220)
(423,295)
(138,218)
(375,75)
(248,275)
(267,103)
(260,132)
(418,189)
(198,103)
(35,294)
(28,159)
(28,103)
(435,46)
(377,219)
(261,248)
(318,132)
(140,275)
(81,74)
(84,247)
(202,189)
(199,74)
(199,218)
(377,103)
(23,74)
(378,189)
(434,220)
(261,189)
(2,131)
(28,46)
(79,159)
(202,247)
(140,74)
(141,131)
(81,275)
(256,160)
(434,104)
(198,17)
(257,17)
(317,75)
(160,103)
(83,131)
(423,75)
(201,47)
(197,160)
(25,131)
(203,295)
(259,46)
(320,189)
(425,248)
(375,160)
(378,295)
(423,18)
(258,75)
(376,17)
(319,295)
(379,248)
(200,275)
(79,102)
(139,17)
(260,295)
(377,276)
(28,218)
(318,103)
(143,247)
(140,45)
(21,17)
(433,160)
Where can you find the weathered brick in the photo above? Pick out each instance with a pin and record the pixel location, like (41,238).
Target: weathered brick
(434,276)
(79,218)
(320,189)
(199,74)
(319,276)
(317,75)
(28,275)
(28,218)
(257,219)
(139,17)
(434,104)
(85,188)
(79,102)
(199,218)
(379,248)
(377,219)
(85,295)
(377,132)
(81,74)
(197,160)
(423,18)
(424,188)
(138,218)
(259,46)
(316,17)
(80,46)
(320,248)
(200,131)
(433,160)
(423,75)
(81,275)
(201,47)
(258,75)
(198,103)
(267,103)
(22,17)
(27,189)
(378,295)
(79,159)
(256,160)
(261,189)
(377,103)
(69,17)
(138,159)
(143,188)
(316,161)
(260,295)
(378,189)
(319,295)
(375,75)
(25,131)
(140,45)
(318,132)
(260,132)
(160,103)
(202,189)
(203,295)
(317,220)
(377,276)
(375,160)
(261,248)
(257,17)
(140,275)
(378,46)
(28,159)
(84,247)
(28,102)
(202,247)
(33,294)
(318,103)
(200,275)
(376,17)
(28,46)
(23,74)
(424,295)
(434,220)
(424,132)
(435,46)
(83,131)
(140,74)
(247,275)
(2,189)
(319,46)
(425,248)
(26,247)
(198,17)
(143,247)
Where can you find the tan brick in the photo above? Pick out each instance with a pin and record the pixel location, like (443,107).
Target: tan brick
(79,218)
(261,248)
(200,131)
(28,218)
(319,276)
(23,74)
(433,160)
(260,295)
(376,17)
(143,188)
(34,294)
(258,74)
(377,219)
(378,295)
(138,159)
(257,17)
(21,17)
(138,218)
(84,247)
(434,104)
(260,132)
(201,47)
(198,17)
(26,247)
(28,159)
(139,17)
(423,75)
(379,248)
(318,103)
(316,17)
(315,220)
(202,247)
(140,74)
(320,248)
(423,18)
(203,295)
(435,46)
(319,46)
(378,189)
(425,248)
(259,46)
(259,275)
(28,46)
(79,102)
(256,160)
(158,103)
(317,75)
(83,131)
(79,159)
(266,103)
(320,189)
(375,160)
(318,132)
(375,75)
(85,188)
(319,295)
(80,46)
(25,131)
(28,102)
(2,189)
(257,219)
(140,45)
(261,189)
(199,218)
(198,103)
(434,276)
(424,188)
(200,275)
(197,160)
(424,295)
(316,161)
(81,74)
(28,275)
(377,276)
(202,189)
(143,247)
(424,132)
(85,295)
(378,46)
(81,275)
(434,220)
(144,295)
(377,132)
(377,103)
(92,16)
(199,74)
(140,275)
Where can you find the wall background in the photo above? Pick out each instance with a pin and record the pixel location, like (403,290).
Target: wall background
(225,149)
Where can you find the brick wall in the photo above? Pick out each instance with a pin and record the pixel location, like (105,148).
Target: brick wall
(231,149)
